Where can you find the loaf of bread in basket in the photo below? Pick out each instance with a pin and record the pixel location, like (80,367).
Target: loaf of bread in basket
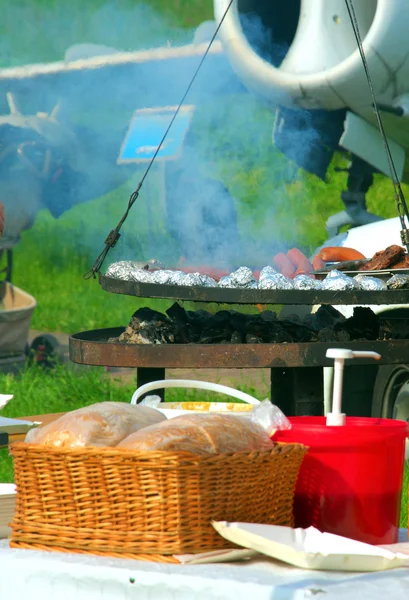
(201,434)
(101,424)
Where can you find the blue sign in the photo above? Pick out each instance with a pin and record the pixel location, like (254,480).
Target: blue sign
(147,129)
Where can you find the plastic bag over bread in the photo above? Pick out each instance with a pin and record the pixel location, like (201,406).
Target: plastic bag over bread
(201,434)
(102,424)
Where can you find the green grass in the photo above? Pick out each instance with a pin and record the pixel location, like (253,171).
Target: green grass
(41,31)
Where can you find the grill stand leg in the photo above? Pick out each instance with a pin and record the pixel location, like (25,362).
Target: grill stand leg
(298,391)
(147,375)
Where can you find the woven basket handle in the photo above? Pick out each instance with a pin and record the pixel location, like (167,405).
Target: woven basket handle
(190,383)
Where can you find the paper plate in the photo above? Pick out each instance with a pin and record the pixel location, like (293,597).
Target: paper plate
(310,549)
(177,409)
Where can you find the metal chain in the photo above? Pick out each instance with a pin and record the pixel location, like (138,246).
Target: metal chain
(399,196)
(114,235)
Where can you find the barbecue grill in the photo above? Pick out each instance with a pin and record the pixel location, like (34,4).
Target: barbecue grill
(252,296)
(296,368)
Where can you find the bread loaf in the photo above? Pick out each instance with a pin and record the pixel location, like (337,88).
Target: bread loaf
(101,424)
(201,434)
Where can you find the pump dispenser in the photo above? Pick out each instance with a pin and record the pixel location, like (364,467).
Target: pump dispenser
(340,355)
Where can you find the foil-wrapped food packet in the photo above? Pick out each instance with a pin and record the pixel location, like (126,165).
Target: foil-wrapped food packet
(193,280)
(275,282)
(123,269)
(267,272)
(337,282)
(177,278)
(162,277)
(226,282)
(368,283)
(398,282)
(129,271)
(303,282)
(140,276)
(243,278)
(208,281)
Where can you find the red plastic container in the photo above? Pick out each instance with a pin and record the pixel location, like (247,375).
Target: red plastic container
(350,482)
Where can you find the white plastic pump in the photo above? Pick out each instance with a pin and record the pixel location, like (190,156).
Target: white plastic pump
(340,355)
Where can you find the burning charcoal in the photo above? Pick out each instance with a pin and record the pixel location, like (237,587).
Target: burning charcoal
(238,321)
(253,339)
(293,318)
(236,338)
(200,316)
(178,314)
(255,325)
(212,336)
(327,335)
(276,282)
(394,329)
(326,316)
(280,337)
(269,316)
(337,281)
(370,283)
(343,336)
(267,272)
(222,318)
(148,327)
(298,332)
(147,314)
(363,324)
(303,282)
(398,282)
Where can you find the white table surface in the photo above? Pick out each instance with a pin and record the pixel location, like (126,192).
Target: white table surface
(32,575)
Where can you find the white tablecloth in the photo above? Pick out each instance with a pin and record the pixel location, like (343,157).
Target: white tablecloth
(32,575)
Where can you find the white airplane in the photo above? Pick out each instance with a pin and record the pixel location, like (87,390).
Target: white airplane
(300,57)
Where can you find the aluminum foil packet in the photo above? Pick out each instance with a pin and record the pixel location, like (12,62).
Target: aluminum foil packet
(243,278)
(275,282)
(208,281)
(337,282)
(398,282)
(162,277)
(303,282)
(267,272)
(226,282)
(368,283)
(128,271)
(193,280)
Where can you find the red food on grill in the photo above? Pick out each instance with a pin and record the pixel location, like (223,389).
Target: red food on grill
(210,271)
(284,264)
(340,254)
(318,263)
(301,262)
(385,259)
(402,263)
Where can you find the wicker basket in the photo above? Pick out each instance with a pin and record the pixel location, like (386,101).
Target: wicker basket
(149,505)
